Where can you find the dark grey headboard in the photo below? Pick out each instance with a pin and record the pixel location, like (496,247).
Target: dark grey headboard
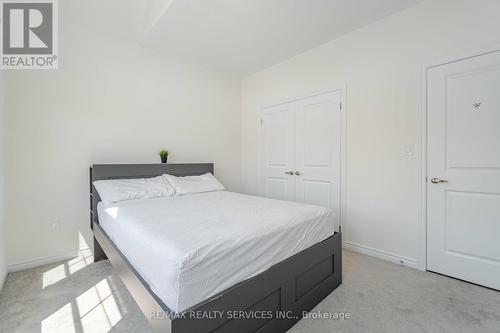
(129,171)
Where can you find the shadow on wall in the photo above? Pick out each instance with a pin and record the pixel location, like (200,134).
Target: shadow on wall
(69,298)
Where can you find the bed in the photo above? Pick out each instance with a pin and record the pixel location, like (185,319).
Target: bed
(216,261)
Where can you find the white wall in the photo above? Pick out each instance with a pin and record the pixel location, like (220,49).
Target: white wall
(111,101)
(3,247)
(381,65)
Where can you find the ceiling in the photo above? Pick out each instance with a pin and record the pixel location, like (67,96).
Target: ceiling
(237,36)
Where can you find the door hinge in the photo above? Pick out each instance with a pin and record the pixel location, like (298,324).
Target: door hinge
(340,228)
(340,106)
(261,121)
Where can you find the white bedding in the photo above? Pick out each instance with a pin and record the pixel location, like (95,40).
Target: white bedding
(189,248)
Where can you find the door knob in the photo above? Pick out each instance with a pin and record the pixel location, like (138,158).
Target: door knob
(437,180)
(289,173)
(297,173)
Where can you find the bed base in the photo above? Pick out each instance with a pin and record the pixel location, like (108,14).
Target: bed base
(272,301)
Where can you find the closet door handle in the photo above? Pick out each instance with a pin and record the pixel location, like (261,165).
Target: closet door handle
(297,173)
(437,180)
(289,173)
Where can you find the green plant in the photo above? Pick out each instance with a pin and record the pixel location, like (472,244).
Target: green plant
(163,153)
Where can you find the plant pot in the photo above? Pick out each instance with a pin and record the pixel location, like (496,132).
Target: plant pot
(163,159)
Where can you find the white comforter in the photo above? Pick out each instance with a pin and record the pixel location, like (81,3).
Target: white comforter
(189,248)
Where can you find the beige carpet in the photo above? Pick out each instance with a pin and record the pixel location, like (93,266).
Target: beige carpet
(80,296)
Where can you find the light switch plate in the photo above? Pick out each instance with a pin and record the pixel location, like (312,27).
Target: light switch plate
(408,150)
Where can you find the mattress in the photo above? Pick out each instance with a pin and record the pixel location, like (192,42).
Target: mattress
(189,248)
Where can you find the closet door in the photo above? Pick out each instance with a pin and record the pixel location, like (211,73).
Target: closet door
(318,151)
(278,136)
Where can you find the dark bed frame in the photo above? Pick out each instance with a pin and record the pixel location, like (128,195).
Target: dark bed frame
(272,301)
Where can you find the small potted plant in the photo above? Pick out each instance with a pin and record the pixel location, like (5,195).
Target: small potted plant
(163,155)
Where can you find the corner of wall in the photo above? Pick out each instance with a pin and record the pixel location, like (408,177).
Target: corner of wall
(3,277)
(3,261)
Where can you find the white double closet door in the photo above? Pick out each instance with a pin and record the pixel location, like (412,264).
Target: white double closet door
(301,151)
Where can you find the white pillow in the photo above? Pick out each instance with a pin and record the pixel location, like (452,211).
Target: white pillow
(115,190)
(194,184)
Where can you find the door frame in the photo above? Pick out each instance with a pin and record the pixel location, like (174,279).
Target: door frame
(422,142)
(343,137)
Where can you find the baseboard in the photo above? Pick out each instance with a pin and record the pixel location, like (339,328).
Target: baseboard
(42,261)
(380,254)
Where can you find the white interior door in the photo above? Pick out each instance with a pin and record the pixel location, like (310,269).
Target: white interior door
(278,136)
(463,218)
(318,151)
